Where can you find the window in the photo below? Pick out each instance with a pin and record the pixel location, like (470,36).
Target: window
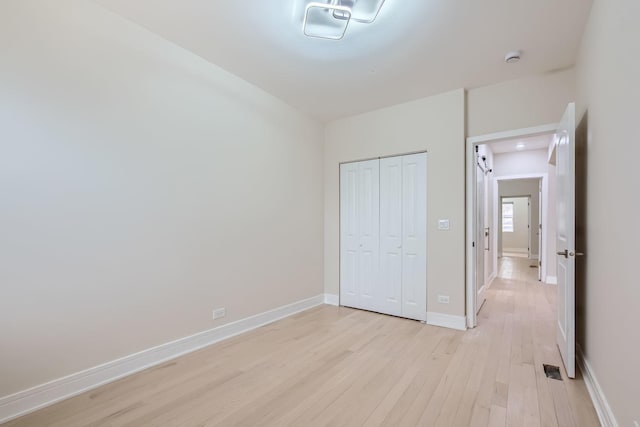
(507,217)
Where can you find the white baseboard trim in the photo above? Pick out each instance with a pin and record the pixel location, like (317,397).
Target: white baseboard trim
(447,321)
(551,280)
(491,279)
(516,250)
(332,299)
(605,414)
(26,401)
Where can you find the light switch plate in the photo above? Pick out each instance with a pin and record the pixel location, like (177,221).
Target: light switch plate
(443,224)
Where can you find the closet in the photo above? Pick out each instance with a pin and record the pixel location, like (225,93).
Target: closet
(383,235)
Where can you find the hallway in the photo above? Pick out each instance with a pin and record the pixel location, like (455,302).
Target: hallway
(524,310)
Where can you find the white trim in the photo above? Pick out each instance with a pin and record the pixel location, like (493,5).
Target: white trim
(605,414)
(332,299)
(551,280)
(491,279)
(516,250)
(511,134)
(447,321)
(27,401)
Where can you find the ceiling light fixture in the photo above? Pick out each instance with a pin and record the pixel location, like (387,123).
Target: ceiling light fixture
(331,18)
(520,146)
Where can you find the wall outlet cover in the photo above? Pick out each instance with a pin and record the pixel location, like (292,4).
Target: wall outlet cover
(219,312)
(443,299)
(443,224)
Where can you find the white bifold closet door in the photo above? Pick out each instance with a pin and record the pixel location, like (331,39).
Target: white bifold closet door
(383,247)
(359,201)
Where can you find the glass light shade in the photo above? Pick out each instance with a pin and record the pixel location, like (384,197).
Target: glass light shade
(327,21)
(364,11)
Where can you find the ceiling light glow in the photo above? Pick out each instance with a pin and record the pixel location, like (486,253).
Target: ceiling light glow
(326,21)
(330,19)
(520,146)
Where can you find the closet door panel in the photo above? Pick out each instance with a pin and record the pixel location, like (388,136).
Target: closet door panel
(414,236)
(369,216)
(390,284)
(349,234)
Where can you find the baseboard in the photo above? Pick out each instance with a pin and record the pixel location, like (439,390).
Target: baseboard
(24,402)
(516,250)
(331,299)
(447,321)
(491,279)
(551,280)
(605,414)
(534,256)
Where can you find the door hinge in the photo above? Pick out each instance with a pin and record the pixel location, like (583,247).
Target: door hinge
(473,244)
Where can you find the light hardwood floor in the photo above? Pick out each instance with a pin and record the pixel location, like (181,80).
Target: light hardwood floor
(343,367)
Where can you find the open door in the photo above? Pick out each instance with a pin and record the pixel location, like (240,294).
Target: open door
(539,233)
(565,237)
(479,235)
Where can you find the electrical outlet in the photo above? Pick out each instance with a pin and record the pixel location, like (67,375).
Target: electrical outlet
(219,312)
(443,299)
(443,224)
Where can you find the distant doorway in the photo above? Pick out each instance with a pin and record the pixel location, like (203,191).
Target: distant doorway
(514,231)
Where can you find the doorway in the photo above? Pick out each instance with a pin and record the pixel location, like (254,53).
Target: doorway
(511,165)
(514,237)
(554,162)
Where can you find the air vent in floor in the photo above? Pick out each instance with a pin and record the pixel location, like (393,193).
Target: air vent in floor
(552,372)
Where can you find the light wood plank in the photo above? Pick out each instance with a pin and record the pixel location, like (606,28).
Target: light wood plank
(344,367)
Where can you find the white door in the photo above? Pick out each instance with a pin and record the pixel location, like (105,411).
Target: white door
(565,237)
(391,235)
(479,237)
(529,229)
(349,234)
(359,228)
(383,235)
(369,205)
(539,235)
(414,236)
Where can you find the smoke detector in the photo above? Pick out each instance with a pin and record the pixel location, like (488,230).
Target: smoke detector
(512,57)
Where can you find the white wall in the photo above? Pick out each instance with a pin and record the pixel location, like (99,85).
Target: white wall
(535,162)
(608,290)
(140,187)
(522,103)
(518,239)
(434,124)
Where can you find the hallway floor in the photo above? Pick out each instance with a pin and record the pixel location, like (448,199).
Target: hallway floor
(333,366)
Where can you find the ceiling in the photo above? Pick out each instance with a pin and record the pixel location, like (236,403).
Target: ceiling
(413,49)
(541,142)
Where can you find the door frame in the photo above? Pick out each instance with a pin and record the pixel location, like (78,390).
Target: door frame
(495,221)
(470,231)
(542,249)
